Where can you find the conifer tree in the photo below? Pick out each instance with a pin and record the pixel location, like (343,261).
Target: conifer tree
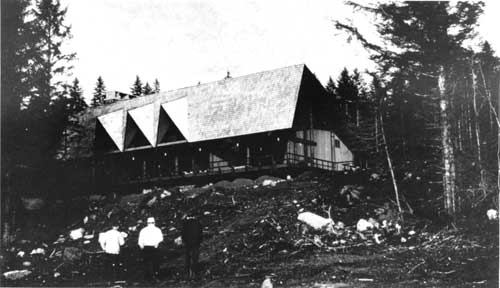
(156,88)
(99,93)
(331,87)
(146,90)
(136,89)
(77,103)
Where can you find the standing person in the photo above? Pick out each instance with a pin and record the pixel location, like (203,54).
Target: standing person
(192,235)
(149,239)
(110,242)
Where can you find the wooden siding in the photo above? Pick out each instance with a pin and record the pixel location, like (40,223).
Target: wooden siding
(324,148)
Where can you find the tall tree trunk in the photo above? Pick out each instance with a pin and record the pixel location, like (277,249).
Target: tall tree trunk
(389,162)
(447,149)
(460,135)
(376,132)
(476,125)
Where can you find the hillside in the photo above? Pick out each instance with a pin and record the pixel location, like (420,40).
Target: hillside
(251,230)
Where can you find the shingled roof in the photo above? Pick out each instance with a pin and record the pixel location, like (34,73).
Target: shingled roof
(254,103)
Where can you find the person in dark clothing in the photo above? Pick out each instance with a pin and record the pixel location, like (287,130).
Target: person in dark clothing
(192,236)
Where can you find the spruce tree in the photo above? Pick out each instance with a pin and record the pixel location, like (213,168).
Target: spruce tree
(136,89)
(331,87)
(77,103)
(51,61)
(156,88)
(99,93)
(146,90)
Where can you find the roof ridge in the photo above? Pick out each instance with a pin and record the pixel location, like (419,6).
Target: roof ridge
(233,78)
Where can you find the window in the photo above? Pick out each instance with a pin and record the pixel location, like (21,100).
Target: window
(337,143)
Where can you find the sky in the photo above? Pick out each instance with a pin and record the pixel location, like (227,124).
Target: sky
(183,42)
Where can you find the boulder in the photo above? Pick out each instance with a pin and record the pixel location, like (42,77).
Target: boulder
(77,233)
(363,225)
(315,221)
(16,274)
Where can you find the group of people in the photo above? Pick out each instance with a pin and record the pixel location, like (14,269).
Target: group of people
(150,238)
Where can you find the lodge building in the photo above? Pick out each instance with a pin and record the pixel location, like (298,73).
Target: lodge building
(272,119)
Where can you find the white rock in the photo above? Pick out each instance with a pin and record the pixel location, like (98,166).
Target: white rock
(315,221)
(146,191)
(57,274)
(20,254)
(165,193)
(340,225)
(374,223)
(269,182)
(38,251)
(89,236)
(289,178)
(403,240)
(267,283)
(26,263)
(376,237)
(77,233)
(86,219)
(178,241)
(16,274)
(411,233)
(492,214)
(363,225)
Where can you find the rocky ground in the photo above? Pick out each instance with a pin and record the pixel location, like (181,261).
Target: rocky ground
(251,230)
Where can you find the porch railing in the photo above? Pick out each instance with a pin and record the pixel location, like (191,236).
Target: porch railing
(292,159)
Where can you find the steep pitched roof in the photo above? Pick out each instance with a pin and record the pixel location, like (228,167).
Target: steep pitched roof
(254,103)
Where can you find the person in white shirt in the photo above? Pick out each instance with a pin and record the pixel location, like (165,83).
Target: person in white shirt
(149,239)
(111,241)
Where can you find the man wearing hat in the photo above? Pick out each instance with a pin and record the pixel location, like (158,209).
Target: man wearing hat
(110,242)
(149,239)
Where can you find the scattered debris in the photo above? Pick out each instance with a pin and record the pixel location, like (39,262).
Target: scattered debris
(72,254)
(151,202)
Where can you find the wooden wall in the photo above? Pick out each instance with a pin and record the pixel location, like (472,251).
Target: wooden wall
(327,147)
